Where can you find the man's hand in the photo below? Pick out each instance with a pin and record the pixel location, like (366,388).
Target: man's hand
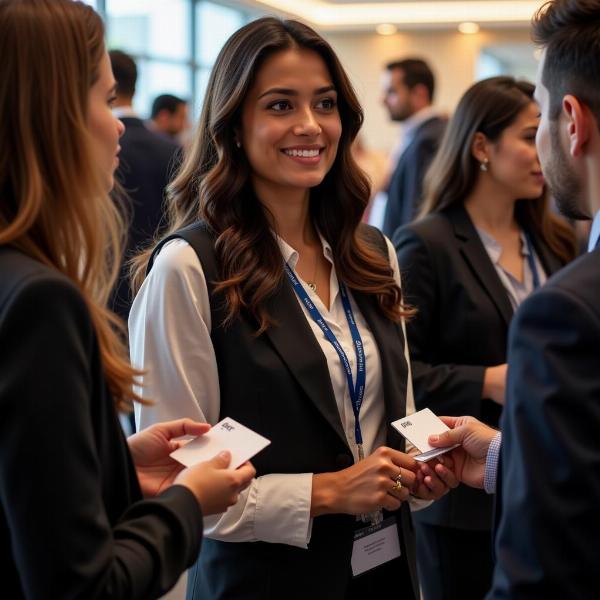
(469,458)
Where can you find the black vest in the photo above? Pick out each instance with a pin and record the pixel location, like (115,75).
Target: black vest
(278,384)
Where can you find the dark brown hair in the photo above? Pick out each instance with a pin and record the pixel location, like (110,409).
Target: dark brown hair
(214,183)
(489,107)
(125,72)
(415,71)
(570,32)
(53,203)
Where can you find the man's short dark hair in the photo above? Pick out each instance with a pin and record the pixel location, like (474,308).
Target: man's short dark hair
(166,102)
(416,71)
(569,30)
(125,72)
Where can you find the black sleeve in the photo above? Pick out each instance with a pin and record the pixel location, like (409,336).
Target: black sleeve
(547,540)
(448,389)
(51,481)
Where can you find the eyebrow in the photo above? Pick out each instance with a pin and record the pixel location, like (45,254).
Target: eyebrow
(291,92)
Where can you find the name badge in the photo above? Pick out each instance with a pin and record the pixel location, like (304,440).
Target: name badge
(374,546)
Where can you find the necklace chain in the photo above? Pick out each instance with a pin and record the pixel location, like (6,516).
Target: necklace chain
(313,284)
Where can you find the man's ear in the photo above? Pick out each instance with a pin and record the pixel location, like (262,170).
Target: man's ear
(578,121)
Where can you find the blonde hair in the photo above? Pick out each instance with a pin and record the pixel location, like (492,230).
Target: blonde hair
(53,201)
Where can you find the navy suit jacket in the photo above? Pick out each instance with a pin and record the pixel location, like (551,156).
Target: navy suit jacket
(404,193)
(147,162)
(548,538)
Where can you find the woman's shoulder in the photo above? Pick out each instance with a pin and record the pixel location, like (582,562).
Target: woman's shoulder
(433,229)
(21,273)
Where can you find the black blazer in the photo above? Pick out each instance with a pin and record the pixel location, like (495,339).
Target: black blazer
(548,540)
(461,328)
(279,385)
(147,162)
(406,184)
(72,521)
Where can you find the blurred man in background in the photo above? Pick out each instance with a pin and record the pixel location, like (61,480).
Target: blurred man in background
(146,163)
(170,117)
(409,86)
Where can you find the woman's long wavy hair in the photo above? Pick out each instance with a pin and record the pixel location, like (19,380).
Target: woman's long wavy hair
(53,202)
(214,184)
(489,107)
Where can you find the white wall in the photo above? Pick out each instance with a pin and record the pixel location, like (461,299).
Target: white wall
(452,56)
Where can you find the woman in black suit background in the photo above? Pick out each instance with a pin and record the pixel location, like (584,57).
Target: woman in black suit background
(74,522)
(486,239)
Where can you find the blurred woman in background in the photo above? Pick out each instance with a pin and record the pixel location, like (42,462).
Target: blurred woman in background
(73,521)
(485,240)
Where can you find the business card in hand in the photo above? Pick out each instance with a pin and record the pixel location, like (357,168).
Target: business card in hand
(243,443)
(417,428)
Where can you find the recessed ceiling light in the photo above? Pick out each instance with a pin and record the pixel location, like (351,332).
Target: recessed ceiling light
(386,29)
(468,27)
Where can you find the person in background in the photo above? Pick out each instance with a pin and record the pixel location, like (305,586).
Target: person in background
(270,302)
(548,531)
(84,513)
(486,240)
(147,162)
(409,86)
(169,116)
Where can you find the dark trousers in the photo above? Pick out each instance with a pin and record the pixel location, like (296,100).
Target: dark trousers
(454,564)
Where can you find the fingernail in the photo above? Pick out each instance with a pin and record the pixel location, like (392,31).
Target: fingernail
(440,459)
(224,454)
(434,438)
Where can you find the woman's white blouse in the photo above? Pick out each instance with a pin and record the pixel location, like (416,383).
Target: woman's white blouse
(169,326)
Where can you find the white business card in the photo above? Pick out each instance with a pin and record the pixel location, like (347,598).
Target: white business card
(417,428)
(243,443)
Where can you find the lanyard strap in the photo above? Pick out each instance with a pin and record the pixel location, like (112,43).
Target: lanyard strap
(532,264)
(357,391)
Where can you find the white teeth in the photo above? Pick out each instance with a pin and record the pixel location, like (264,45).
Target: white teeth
(302,153)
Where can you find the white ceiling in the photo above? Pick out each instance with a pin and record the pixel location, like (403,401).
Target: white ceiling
(406,14)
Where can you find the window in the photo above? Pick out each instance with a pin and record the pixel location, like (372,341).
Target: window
(174,43)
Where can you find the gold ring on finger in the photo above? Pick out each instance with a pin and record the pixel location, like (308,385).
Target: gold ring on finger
(397,483)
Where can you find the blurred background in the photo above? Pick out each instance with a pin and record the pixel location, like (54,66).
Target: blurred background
(175,43)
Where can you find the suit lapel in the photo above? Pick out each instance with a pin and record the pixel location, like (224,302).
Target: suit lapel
(295,343)
(476,256)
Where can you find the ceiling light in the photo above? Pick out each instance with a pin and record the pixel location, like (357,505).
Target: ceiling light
(468,27)
(386,29)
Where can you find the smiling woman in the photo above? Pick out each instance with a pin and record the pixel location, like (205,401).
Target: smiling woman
(270,303)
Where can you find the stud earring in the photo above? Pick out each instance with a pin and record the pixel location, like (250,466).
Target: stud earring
(238,143)
(484,164)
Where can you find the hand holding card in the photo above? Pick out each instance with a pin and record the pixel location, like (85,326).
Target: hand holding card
(417,428)
(243,443)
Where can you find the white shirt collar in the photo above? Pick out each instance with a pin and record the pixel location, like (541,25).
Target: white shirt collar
(410,125)
(290,255)
(594,233)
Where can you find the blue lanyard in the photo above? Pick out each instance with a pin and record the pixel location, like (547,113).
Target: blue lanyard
(357,391)
(531,262)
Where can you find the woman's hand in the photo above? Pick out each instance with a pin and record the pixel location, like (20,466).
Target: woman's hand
(367,486)
(494,383)
(215,486)
(435,479)
(150,450)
